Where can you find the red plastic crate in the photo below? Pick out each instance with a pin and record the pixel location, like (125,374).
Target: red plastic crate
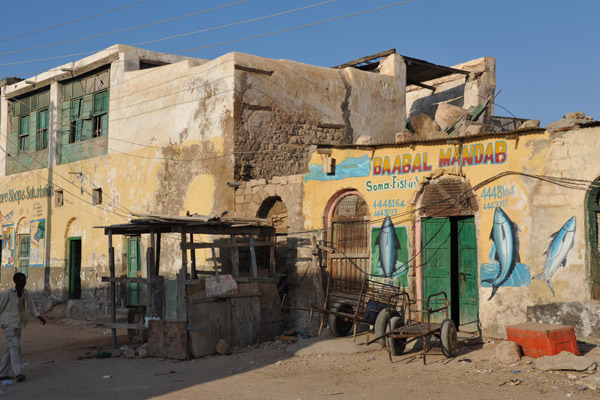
(539,340)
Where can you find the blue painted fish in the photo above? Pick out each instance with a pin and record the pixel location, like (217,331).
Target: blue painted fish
(388,247)
(556,253)
(506,243)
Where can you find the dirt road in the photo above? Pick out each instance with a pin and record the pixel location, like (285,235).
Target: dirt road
(58,367)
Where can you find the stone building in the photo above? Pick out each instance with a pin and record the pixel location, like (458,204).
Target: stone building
(128,131)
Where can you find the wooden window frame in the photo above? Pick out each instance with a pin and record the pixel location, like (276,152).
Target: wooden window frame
(23,135)
(41,133)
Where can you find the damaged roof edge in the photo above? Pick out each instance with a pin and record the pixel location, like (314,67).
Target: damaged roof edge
(417,70)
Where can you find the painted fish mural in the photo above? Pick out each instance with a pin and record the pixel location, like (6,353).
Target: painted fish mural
(556,253)
(506,244)
(388,247)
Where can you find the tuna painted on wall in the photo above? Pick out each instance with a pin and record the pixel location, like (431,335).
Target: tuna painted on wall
(561,242)
(505,267)
(37,248)
(389,249)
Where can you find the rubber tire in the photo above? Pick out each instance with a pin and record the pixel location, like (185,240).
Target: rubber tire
(337,326)
(381,323)
(448,338)
(398,345)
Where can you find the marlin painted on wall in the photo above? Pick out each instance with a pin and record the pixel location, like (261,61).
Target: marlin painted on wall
(506,245)
(388,247)
(556,253)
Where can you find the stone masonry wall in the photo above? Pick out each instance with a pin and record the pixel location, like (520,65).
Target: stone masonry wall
(297,266)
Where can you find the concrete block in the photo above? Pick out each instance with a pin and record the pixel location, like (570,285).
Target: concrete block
(530,123)
(363,140)
(424,125)
(565,361)
(447,114)
(296,179)
(508,352)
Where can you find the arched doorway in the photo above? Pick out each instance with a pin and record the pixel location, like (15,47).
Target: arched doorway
(348,223)
(274,209)
(447,206)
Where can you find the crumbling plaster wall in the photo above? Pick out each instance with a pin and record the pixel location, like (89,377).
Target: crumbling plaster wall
(169,152)
(282,106)
(457,89)
(572,155)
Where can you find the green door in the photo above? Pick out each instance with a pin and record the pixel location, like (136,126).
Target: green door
(593,205)
(75,268)
(24,246)
(436,261)
(134,268)
(450,266)
(468,290)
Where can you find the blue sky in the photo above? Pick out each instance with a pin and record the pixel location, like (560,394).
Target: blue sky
(547,57)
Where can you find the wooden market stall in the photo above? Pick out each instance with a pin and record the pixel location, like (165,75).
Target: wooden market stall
(234,298)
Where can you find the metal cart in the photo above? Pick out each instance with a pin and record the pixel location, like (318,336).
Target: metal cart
(399,331)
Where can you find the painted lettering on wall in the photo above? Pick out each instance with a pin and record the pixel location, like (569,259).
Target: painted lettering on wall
(465,155)
(496,196)
(393,184)
(30,192)
(387,207)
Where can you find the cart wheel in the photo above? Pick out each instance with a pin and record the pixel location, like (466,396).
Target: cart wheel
(448,338)
(340,326)
(396,346)
(381,323)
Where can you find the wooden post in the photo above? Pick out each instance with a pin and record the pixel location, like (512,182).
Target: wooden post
(157,263)
(317,278)
(113,288)
(193,253)
(253,258)
(235,257)
(272,261)
(181,308)
(215,266)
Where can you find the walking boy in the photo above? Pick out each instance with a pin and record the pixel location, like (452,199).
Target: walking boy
(15,305)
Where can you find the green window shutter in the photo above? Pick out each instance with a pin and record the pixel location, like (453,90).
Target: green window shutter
(87,105)
(75,109)
(13,146)
(86,132)
(104,124)
(78,129)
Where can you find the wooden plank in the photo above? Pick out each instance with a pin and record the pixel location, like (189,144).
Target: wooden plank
(253,257)
(157,264)
(124,279)
(235,257)
(255,70)
(190,246)
(271,321)
(180,311)
(272,260)
(122,325)
(168,339)
(225,296)
(212,318)
(245,320)
(156,297)
(365,59)
(193,252)
(214,256)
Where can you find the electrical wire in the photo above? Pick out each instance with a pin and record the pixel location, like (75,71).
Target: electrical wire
(71,22)
(123,30)
(223,43)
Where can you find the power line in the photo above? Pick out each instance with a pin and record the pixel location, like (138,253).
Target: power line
(228,42)
(233,23)
(294,28)
(72,22)
(123,30)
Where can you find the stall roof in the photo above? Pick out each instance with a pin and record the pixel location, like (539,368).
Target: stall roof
(199,224)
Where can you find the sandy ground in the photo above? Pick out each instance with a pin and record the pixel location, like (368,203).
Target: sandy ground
(60,364)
